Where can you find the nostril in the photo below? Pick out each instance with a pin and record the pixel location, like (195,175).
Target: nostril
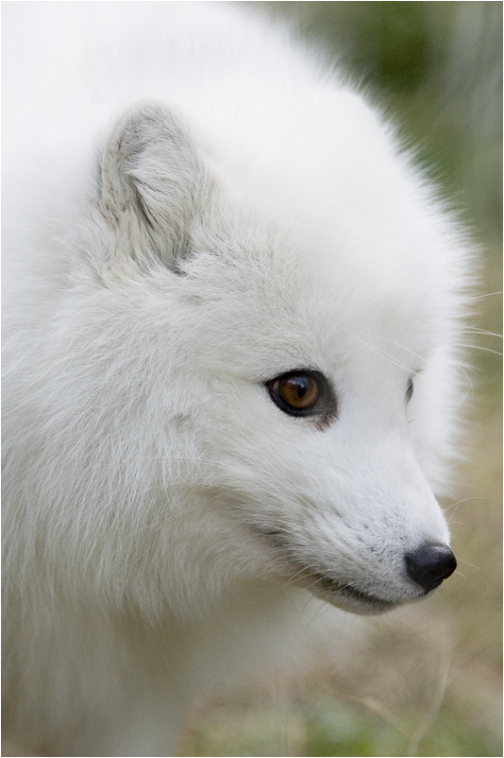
(430,564)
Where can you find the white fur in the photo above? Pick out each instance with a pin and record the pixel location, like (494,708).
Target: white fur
(193,205)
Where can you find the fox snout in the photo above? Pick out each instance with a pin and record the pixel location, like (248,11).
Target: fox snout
(430,564)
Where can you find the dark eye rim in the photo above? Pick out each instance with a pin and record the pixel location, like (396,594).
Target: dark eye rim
(324,406)
(410,388)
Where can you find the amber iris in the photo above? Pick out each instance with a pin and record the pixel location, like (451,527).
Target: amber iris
(299,392)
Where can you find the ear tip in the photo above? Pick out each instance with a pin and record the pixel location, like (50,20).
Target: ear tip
(145,110)
(149,128)
(157,118)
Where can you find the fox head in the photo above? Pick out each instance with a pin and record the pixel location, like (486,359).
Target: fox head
(261,359)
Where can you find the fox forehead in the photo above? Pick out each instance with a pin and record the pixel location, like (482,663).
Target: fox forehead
(311,305)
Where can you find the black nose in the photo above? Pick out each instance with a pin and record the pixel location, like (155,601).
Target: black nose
(430,564)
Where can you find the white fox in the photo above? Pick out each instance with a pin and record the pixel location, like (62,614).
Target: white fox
(231,311)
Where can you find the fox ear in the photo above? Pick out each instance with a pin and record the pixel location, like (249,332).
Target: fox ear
(151,179)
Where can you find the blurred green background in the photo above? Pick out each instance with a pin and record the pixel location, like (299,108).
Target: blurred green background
(428,680)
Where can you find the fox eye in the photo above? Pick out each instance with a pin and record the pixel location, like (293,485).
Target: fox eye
(409,390)
(302,393)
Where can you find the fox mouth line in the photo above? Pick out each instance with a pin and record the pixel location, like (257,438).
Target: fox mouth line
(325,586)
(321,584)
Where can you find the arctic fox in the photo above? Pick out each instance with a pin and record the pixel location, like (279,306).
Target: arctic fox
(231,312)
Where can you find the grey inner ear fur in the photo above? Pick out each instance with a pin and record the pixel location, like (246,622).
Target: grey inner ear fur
(151,182)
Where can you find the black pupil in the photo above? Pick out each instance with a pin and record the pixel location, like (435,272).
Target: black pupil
(301,385)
